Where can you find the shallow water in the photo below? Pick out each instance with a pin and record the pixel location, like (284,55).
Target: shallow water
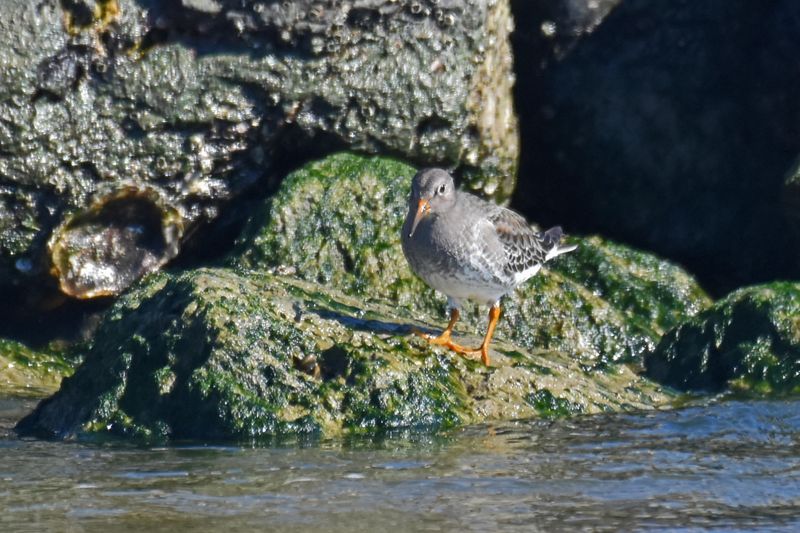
(730,465)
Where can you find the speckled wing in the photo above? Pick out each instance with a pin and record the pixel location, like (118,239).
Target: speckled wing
(525,249)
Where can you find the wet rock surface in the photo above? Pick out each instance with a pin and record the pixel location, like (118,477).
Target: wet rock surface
(131,130)
(749,341)
(31,373)
(309,330)
(216,354)
(648,289)
(195,102)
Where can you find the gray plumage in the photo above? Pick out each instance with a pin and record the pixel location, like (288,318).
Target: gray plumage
(468,248)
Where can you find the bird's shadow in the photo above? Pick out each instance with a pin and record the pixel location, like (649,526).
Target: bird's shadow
(367,324)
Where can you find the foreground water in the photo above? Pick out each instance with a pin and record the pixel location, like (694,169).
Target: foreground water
(729,465)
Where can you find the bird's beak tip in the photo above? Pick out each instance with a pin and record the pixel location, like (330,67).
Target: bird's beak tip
(423,208)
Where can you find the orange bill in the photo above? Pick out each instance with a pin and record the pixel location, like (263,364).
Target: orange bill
(422,209)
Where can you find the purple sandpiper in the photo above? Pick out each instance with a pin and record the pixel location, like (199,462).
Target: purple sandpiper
(468,248)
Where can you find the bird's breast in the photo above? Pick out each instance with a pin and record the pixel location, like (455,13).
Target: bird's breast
(456,263)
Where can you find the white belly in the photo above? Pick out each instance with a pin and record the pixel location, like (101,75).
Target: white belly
(466,289)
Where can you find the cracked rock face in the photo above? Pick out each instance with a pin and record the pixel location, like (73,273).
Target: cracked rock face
(191,103)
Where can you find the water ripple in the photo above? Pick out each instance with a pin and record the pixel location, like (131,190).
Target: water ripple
(728,466)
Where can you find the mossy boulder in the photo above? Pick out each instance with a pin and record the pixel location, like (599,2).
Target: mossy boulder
(27,372)
(654,293)
(337,221)
(215,353)
(307,329)
(749,341)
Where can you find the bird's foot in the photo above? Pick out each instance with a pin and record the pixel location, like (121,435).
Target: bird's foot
(445,340)
(483,350)
(442,340)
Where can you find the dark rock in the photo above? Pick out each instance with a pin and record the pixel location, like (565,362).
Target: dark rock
(791,207)
(749,341)
(192,103)
(670,127)
(59,74)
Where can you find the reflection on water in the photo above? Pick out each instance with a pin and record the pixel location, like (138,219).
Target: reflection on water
(733,466)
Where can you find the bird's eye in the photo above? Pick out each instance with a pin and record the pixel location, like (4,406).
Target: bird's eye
(441,189)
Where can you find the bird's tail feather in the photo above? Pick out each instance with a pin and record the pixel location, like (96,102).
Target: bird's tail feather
(552,239)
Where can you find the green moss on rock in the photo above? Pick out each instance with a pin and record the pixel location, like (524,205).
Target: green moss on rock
(214,354)
(337,221)
(749,341)
(554,312)
(307,331)
(26,372)
(650,291)
(548,405)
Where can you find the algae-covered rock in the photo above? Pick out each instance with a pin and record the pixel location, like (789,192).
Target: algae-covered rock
(212,353)
(749,341)
(554,312)
(650,291)
(27,372)
(308,330)
(603,302)
(188,104)
(337,221)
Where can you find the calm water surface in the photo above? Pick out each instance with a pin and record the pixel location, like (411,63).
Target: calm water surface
(727,466)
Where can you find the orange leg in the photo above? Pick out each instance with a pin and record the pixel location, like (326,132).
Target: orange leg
(483,349)
(444,338)
(494,316)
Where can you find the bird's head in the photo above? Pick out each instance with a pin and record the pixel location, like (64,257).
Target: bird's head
(432,191)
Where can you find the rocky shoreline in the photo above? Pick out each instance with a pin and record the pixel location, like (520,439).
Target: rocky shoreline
(306,328)
(227,181)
